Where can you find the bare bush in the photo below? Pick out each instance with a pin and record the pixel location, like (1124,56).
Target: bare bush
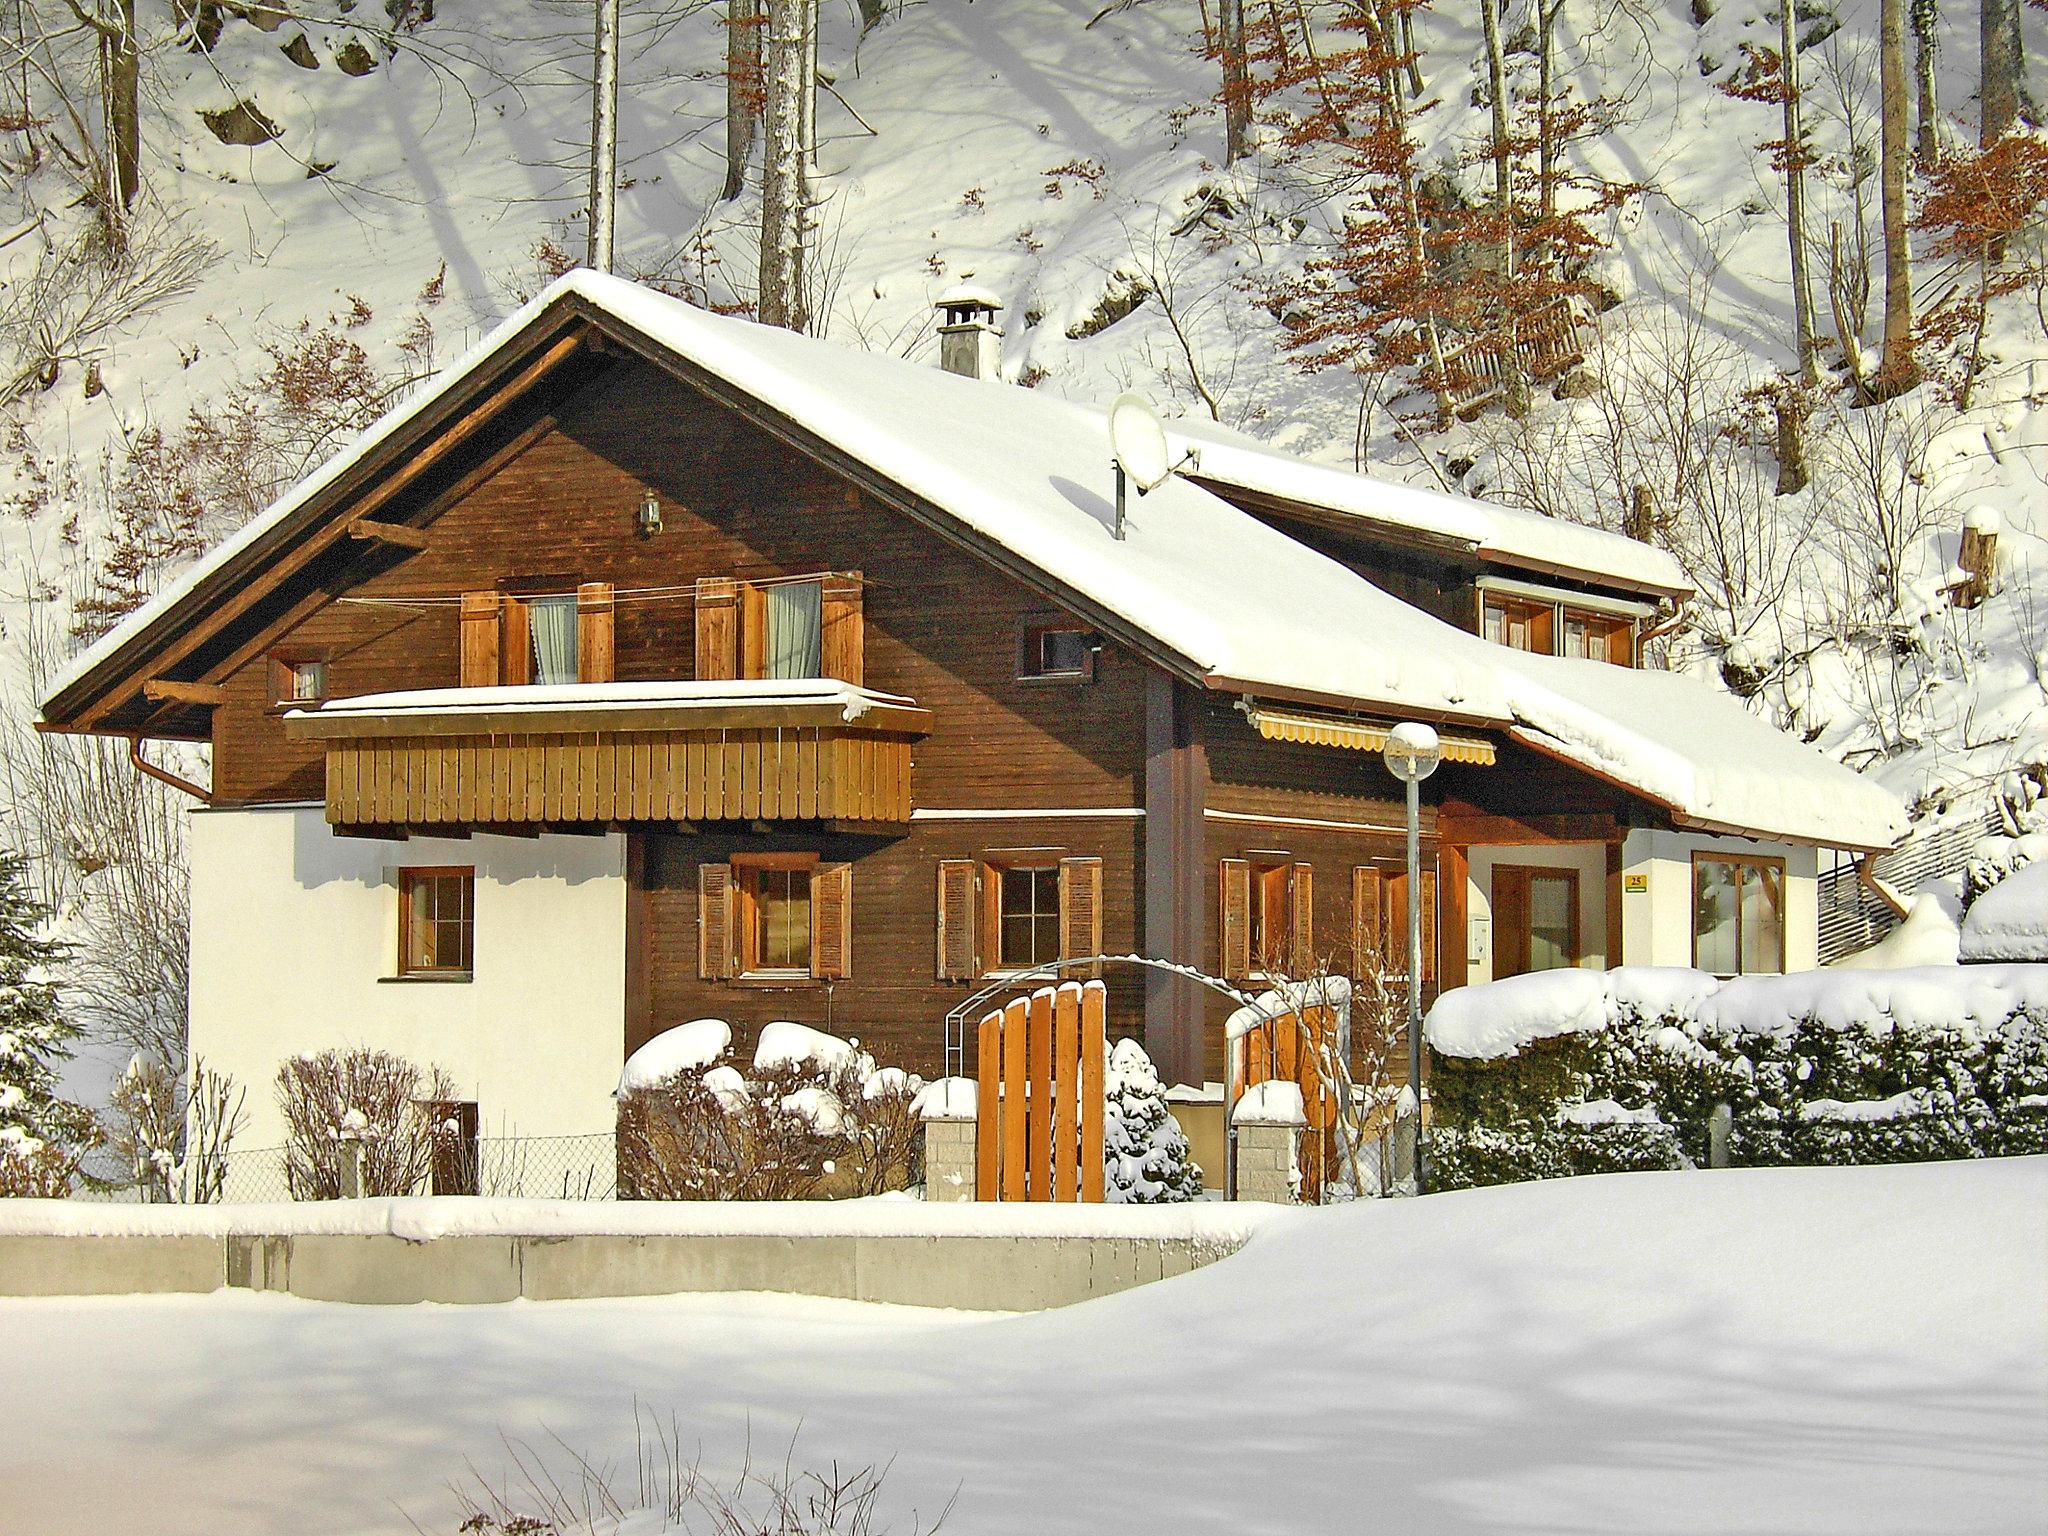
(561,1492)
(174,1132)
(42,1172)
(371,1097)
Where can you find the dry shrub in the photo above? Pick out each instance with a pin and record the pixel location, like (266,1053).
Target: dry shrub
(38,1172)
(373,1096)
(173,1134)
(798,1131)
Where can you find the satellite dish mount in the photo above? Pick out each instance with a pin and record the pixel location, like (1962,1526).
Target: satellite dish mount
(1137,442)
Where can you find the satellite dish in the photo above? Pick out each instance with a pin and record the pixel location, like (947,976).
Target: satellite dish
(1138,440)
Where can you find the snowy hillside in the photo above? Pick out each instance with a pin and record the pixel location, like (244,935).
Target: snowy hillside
(1068,160)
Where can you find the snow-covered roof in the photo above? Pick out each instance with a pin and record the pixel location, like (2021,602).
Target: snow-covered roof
(1239,603)
(1506,534)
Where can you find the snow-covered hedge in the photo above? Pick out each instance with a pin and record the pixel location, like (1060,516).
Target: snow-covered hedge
(1603,1071)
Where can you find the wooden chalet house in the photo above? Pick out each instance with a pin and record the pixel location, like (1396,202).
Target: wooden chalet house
(655,665)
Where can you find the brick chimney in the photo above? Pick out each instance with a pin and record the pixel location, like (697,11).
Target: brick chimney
(969,343)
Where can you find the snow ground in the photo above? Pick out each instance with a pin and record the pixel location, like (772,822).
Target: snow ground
(1852,1350)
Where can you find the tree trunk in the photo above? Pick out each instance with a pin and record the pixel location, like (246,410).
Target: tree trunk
(1237,93)
(1546,88)
(1998,52)
(742,91)
(783,182)
(1795,198)
(1503,166)
(123,65)
(604,138)
(1925,16)
(1897,370)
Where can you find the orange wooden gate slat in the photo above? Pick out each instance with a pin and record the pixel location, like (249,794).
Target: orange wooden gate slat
(1094,1048)
(1038,1180)
(1040,1076)
(988,1147)
(1015,1145)
(1067,1090)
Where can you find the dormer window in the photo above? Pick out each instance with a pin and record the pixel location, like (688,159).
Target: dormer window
(298,679)
(1560,624)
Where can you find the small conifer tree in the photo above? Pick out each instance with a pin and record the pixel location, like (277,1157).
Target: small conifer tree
(42,1134)
(1143,1147)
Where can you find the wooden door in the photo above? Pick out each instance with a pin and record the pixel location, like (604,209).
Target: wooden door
(1535,919)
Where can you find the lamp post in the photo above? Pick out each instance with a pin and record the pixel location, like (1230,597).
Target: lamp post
(1411,754)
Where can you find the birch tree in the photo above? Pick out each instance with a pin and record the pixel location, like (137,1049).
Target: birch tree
(1925,16)
(1897,370)
(742,91)
(604,138)
(785,179)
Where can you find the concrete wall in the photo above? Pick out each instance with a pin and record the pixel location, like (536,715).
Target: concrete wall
(996,1273)
(1656,924)
(295,948)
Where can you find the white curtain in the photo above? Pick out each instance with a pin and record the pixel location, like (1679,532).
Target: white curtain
(553,620)
(796,613)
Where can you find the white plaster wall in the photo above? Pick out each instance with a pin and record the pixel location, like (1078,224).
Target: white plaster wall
(1589,859)
(1656,924)
(295,942)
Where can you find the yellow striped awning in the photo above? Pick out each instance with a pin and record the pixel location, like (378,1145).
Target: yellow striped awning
(1358,735)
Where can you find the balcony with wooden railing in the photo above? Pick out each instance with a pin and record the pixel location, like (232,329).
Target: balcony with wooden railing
(593,755)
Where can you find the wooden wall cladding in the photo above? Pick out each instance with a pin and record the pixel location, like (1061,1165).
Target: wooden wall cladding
(939,624)
(750,775)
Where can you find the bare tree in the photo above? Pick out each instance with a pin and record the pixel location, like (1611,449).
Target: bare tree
(1237,93)
(1925,16)
(742,91)
(1795,198)
(1898,370)
(1998,68)
(785,179)
(604,138)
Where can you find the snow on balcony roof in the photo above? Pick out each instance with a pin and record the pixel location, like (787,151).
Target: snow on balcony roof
(1243,604)
(1504,533)
(540,699)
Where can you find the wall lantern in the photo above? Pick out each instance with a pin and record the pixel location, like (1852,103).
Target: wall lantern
(649,522)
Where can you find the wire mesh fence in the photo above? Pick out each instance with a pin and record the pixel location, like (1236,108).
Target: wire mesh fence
(512,1167)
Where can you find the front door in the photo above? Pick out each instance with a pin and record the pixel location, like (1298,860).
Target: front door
(1535,919)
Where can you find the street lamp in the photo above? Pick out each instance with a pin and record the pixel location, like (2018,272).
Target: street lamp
(1411,754)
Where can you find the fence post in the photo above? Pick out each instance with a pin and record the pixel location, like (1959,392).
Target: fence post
(948,1109)
(351,1166)
(1720,1126)
(1269,1120)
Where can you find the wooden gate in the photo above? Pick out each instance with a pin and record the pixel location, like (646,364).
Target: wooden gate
(1289,1048)
(1039,1123)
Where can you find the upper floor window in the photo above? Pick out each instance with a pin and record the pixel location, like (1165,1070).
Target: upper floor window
(780,627)
(436,921)
(1558,628)
(1738,914)
(551,639)
(1028,918)
(1055,650)
(298,679)
(545,630)
(794,613)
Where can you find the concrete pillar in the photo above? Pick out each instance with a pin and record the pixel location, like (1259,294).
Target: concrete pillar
(947,1108)
(1269,1120)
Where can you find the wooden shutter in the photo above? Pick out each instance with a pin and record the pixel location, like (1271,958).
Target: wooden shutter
(957,924)
(1367,934)
(718,629)
(1234,929)
(515,665)
(479,649)
(1302,901)
(843,638)
(594,656)
(753,630)
(1081,912)
(832,921)
(714,921)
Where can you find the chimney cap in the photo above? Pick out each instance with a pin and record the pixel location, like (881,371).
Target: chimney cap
(967,296)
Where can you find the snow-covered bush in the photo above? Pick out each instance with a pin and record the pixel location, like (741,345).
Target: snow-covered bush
(42,1134)
(1144,1152)
(374,1098)
(813,1118)
(1827,1067)
(173,1134)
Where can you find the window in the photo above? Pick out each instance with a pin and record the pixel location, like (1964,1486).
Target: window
(1535,919)
(1738,914)
(1028,919)
(775,918)
(551,627)
(1558,629)
(298,679)
(794,612)
(436,922)
(540,629)
(1267,918)
(1011,914)
(1056,651)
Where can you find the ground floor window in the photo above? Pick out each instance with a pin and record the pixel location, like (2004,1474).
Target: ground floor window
(436,921)
(1535,919)
(1017,912)
(1266,925)
(775,916)
(1738,914)
(1028,917)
